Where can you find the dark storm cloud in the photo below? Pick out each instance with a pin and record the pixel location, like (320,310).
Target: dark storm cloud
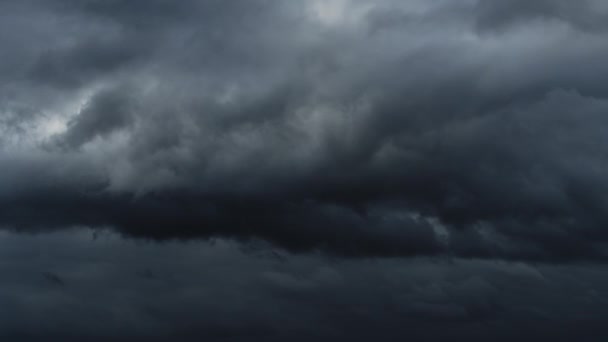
(359,128)
(102,115)
(63,286)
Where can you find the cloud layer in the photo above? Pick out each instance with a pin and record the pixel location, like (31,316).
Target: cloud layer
(359,128)
(65,286)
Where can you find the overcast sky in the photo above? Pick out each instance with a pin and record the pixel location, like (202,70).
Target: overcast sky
(240,170)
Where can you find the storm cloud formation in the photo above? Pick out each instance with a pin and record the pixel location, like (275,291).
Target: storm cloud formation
(462,128)
(65,287)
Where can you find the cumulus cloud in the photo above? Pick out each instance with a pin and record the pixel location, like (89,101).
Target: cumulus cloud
(387,128)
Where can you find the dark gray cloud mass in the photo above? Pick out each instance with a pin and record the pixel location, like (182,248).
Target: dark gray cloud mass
(66,287)
(396,128)
(394,169)
(470,128)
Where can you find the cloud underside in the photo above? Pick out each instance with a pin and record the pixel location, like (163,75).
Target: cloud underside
(358,128)
(63,286)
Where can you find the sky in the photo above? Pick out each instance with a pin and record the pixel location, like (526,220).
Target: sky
(326,170)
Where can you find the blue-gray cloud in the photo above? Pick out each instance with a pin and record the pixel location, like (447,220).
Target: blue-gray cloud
(383,128)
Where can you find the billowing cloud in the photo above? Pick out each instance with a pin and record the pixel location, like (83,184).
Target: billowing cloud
(359,128)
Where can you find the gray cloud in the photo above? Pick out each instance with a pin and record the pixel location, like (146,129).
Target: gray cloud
(105,113)
(124,290)
(587,15)
(357,128)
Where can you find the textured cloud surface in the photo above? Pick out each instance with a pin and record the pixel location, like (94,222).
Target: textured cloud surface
(359,128)
(66,287)
(312,170)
